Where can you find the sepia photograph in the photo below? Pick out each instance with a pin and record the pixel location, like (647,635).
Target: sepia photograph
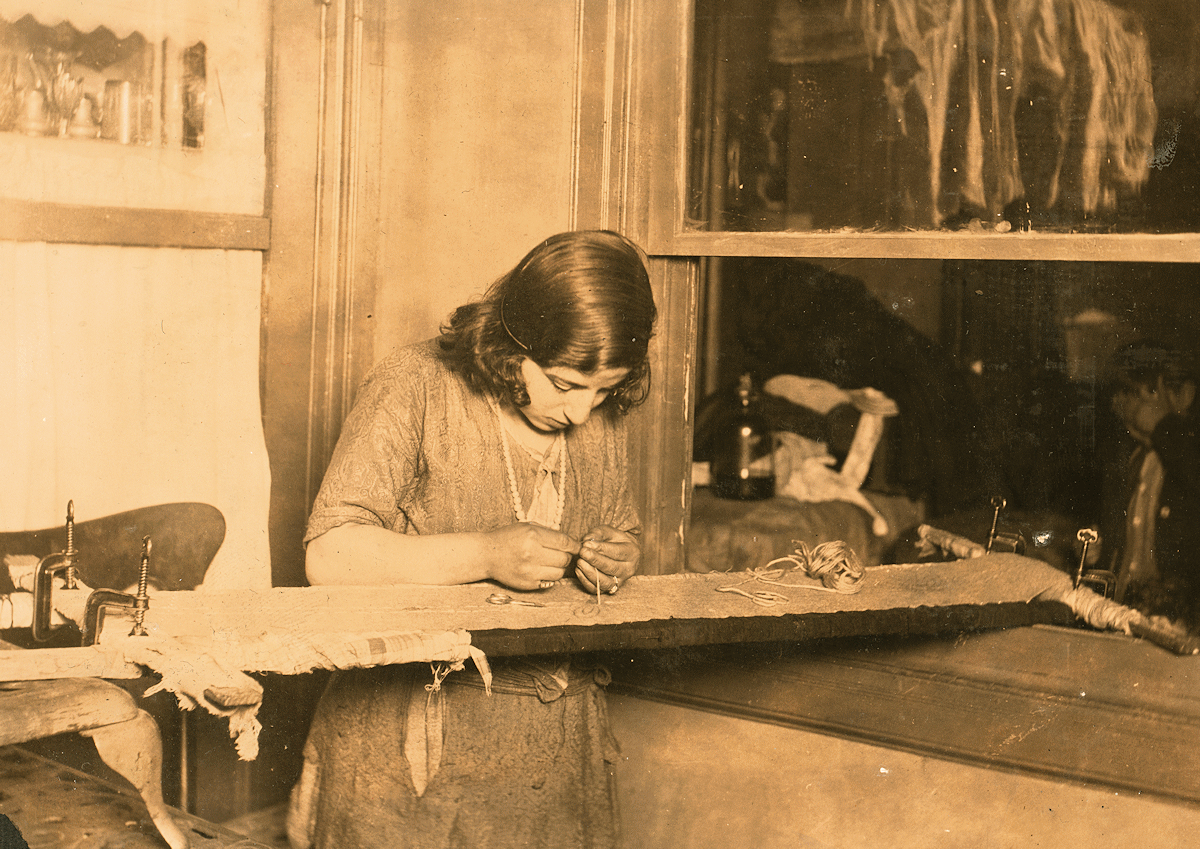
(638,424)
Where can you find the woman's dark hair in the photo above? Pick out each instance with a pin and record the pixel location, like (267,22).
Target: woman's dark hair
(579,300)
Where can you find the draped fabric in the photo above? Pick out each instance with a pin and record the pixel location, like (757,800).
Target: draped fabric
(1137,554)
(130,379)
(518,768)
(964,68)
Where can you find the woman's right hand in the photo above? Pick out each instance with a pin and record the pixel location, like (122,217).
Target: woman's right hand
(529,557)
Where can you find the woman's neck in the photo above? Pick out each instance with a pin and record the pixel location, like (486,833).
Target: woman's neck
(530,438)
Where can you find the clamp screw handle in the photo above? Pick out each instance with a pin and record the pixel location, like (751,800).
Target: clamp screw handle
(998,504)
(1087,536)
(141,601)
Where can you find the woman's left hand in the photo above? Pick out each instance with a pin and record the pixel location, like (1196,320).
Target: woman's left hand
(607,558)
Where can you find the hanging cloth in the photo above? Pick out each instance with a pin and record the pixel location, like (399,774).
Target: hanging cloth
(1137,557)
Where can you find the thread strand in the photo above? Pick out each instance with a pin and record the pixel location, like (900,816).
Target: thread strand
(833,563)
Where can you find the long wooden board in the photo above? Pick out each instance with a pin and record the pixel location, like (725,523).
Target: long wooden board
(649,612)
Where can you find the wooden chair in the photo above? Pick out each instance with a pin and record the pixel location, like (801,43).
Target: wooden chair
(186,537)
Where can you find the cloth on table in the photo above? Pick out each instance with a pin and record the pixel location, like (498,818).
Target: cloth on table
(730,536)
(195,678)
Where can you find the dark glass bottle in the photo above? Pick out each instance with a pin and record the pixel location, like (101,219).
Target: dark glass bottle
(742,465)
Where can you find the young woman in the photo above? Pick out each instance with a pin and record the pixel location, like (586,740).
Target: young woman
(494,452)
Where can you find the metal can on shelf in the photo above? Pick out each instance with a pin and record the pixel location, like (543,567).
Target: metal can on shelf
(121,115)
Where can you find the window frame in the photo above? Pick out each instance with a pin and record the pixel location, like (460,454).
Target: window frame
(661,114)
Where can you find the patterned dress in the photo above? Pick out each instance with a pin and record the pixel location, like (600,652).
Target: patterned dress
(526,766)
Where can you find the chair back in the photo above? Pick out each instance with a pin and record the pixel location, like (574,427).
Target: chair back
(185,536)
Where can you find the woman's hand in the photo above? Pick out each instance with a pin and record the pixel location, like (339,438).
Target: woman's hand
(607,558)
(529,557)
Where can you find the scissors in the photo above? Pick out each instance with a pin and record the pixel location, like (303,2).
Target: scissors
(505,598)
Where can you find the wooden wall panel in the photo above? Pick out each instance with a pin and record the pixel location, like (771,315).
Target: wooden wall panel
(319,294)
(477,115)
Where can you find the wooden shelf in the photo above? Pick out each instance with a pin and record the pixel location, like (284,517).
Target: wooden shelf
(26,221)
(1093,247)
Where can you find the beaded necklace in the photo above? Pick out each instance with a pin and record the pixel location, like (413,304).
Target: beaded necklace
(560,443)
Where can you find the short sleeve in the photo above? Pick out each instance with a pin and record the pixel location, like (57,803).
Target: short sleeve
(377,461)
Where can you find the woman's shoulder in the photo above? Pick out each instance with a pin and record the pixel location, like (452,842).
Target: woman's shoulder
(605,432)
(416,366)
(418,358)
(418,376)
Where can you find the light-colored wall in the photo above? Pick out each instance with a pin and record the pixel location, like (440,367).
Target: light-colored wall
(467,85)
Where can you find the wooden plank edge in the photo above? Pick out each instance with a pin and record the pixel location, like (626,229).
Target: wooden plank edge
(1040,246)
(79,662)
(31,221)
(95,661)
(672,633)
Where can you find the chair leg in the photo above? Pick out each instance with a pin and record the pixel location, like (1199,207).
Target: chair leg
(134,750)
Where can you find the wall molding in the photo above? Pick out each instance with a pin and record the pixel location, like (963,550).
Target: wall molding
(34,221)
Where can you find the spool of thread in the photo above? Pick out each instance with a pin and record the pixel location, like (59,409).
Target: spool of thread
(932,538)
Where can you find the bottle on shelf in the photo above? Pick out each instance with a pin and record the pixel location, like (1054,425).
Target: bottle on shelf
(743,465)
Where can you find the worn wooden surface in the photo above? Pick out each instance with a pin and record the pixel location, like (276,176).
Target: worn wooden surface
(1064,703)
(36,221)
(35,709)
(649,612)
(126,737)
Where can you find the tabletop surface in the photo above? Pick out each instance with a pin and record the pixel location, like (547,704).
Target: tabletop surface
(648,612)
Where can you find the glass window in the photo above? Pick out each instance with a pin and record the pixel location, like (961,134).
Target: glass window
(984,116)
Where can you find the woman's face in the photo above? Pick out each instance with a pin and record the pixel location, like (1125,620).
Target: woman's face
(562,397)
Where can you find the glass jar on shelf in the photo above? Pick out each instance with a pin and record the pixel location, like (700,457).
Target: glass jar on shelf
(743,465)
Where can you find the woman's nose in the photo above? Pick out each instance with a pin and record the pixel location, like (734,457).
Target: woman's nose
(579,406)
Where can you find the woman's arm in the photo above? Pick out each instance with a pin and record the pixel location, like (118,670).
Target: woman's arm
(518,556)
